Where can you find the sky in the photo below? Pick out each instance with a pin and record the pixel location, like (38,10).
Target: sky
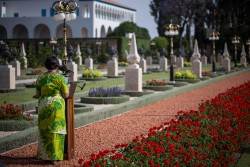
(143,17)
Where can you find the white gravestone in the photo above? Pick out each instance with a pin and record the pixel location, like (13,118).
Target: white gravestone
(196,63)
(243,59)
(133,74)
(7,77)
(226,60)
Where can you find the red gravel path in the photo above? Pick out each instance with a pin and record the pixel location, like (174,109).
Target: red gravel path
(123,128)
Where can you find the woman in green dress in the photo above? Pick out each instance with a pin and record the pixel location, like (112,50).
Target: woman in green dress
(51,88)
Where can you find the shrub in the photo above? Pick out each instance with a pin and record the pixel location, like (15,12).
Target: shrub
(187,64)
(187,74)
(91,73)
(154,82)
(13,112)
(106,92)
(123,64)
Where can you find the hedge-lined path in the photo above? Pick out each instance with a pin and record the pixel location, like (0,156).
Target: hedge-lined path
(123,128)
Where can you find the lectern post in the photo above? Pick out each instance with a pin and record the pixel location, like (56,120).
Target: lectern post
(69,149)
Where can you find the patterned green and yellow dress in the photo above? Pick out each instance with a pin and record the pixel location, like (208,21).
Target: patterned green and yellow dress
(51,116)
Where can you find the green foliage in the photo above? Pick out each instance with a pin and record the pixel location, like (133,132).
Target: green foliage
(160,42)
(103,58)
(130,27)
(187,74)
(123,64)
(187,64)
(91,73)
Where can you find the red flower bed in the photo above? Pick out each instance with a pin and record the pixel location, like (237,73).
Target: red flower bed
(13,112)
(208,136)
(154,82)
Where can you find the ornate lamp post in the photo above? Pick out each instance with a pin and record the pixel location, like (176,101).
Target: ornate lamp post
(214,36)
(171,31)
(248,43)
(65,11)
(235,41)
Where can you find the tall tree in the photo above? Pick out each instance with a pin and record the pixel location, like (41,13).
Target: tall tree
(181,12)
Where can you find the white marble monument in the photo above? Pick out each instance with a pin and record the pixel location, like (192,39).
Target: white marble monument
(73,67)
(133,74)
(149,60)
(112,66)
(143,65)
(180,62)
(23,56)
(163,63)
(78,55)
(226,61)
(243,59)
(196,63)
(7,77)
(17,65)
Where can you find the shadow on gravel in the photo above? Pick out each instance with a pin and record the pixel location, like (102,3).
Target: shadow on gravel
(22,161)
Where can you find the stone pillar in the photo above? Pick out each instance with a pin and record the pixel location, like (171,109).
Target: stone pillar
(89,63)
(133,74)
(112,67)
(78,55)
(163,63)
(133,78)
(23,56)
(204,60)
(73,66)
(7,77)
(243,59)
(143,65)
(226,60)
(196,63)
(219,58)
(149,60)
(174,59)
(16,64)
(180,62)
(197,68)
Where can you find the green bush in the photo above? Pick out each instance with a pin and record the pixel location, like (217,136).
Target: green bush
(123,64)
(187,74)
(187,64)
(87,73)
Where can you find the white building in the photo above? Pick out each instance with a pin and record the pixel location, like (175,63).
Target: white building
(31,19)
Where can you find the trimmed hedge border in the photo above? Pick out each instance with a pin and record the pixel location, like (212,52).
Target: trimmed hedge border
(15,125)
(138,94)
(178,84)
(188,80)
(158,88)
(110,76)
(104,100)
(81,108)
(93,79)
(204,78)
